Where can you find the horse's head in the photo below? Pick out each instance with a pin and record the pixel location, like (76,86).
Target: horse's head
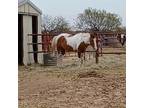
(93,40)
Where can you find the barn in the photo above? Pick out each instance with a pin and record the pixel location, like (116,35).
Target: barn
(29,22)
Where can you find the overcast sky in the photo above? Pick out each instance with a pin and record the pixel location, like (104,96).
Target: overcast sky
(69,9)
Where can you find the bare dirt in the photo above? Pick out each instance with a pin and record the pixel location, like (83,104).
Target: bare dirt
(88,86)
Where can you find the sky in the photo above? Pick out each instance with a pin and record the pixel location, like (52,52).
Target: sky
(69,9)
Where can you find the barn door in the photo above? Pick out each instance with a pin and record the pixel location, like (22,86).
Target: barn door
(35,38)
(20,39)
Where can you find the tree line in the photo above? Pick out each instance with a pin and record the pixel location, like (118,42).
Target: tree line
(89,20)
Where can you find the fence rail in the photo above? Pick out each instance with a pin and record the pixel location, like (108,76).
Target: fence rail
(38,34)
(35,43)
(110,52)
(110,35)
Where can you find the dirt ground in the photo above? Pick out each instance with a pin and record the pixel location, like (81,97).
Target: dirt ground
(88,86)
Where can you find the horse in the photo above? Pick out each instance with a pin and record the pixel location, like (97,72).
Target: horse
(78,42)
(122,39)
(54,41)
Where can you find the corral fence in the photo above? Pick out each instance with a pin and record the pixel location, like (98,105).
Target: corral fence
(109,40)
(46,49)
(50,60)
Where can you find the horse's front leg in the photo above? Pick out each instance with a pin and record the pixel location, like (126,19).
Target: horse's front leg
(84,57)
(58,59)
(80,56)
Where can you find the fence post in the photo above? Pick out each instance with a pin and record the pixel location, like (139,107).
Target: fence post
(96,57)
(97,51)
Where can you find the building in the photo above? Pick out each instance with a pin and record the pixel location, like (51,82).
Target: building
(29,22)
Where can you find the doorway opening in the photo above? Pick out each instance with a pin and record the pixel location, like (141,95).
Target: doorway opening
(20,39)
(35,38)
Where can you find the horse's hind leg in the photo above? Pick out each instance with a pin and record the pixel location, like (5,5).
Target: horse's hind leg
(59,60)
(84,56)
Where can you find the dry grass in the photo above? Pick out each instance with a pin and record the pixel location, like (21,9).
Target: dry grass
(89,86)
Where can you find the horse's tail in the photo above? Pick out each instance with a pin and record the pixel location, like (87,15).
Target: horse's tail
(55,39)
(53,45)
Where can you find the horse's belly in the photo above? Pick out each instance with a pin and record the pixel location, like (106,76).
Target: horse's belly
(69,48)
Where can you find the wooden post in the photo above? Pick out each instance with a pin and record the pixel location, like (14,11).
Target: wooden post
(96,57)
(97,51)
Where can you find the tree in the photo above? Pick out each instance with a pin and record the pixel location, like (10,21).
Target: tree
(54,24)
(97,20)
(121,29)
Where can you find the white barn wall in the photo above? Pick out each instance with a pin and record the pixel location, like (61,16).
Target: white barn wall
(30,47)
(25,40)
(40,55)
(28,11)
(27,28)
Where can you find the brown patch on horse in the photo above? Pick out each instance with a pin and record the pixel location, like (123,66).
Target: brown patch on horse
(82,48)
(69,48)
(62,46)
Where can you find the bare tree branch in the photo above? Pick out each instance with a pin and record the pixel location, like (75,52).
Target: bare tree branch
(54,24)
(98,20)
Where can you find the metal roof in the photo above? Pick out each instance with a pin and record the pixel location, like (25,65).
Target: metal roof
(22,2)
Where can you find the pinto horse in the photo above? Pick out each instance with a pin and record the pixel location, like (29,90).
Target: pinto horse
(78,42)
(55,39)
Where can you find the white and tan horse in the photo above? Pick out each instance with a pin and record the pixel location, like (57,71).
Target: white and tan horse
(78,42)
(55,39)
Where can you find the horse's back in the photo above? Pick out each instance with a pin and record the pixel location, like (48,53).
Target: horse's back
(56,38)
(75,40)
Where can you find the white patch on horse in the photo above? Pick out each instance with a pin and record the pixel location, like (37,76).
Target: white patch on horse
(55,39)
(60,35)
(122,35)
(76,40)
